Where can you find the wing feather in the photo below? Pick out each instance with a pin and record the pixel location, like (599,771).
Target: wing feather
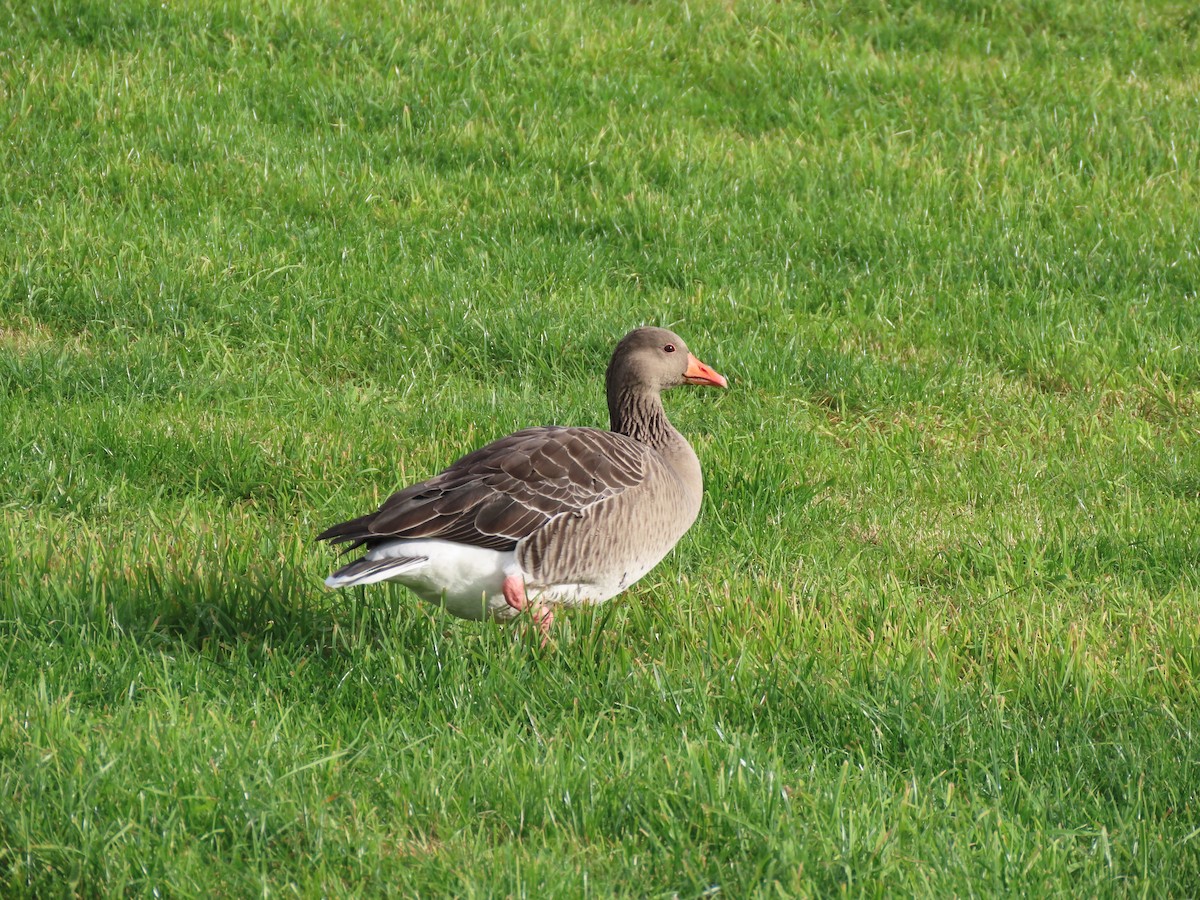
(506,491)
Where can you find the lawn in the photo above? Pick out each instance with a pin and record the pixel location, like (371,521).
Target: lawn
(937,629)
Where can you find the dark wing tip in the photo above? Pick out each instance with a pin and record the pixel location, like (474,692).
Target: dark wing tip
(357,530)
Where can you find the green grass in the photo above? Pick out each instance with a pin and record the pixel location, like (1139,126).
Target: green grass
(936,631)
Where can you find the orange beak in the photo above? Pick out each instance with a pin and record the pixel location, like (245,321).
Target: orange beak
(698,373)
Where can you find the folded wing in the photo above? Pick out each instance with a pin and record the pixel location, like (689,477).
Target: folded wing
(504,492)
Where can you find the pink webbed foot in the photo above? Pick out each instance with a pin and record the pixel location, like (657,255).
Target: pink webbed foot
(543,617)
(514,594)
(515,597)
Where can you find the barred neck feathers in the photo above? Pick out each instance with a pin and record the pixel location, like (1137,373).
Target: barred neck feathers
(637,412)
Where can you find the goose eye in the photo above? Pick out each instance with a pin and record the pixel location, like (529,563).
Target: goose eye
(670,348)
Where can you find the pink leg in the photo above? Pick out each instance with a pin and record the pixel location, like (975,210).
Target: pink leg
(544,617)
(514,592)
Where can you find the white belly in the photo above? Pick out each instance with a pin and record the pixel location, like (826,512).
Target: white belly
(468,581)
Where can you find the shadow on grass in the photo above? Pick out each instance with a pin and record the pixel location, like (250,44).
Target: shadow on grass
(227,611)
(218,608)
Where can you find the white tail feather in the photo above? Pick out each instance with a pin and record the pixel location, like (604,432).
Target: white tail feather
(372,571)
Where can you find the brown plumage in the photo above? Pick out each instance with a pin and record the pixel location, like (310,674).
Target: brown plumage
(501,494)
(569,515)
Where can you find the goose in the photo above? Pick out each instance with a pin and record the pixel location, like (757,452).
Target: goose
(548,516)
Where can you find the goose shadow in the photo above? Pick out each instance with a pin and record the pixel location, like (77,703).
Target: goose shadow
(253,611)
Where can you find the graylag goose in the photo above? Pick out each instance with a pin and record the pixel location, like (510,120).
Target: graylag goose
(547,516)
